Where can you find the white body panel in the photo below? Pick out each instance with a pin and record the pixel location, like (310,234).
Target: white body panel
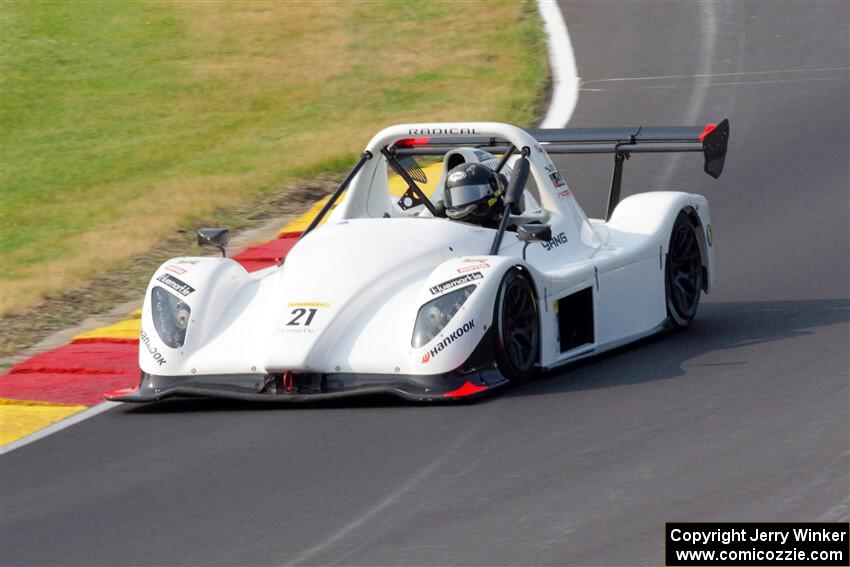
(362,278)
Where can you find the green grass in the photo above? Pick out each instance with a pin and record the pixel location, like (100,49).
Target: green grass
(121,120)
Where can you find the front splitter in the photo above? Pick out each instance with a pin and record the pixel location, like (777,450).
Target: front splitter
(452,386)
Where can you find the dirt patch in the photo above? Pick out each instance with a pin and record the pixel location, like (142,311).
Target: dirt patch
(127,282)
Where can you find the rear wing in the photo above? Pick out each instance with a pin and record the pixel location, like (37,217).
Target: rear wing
(711,140)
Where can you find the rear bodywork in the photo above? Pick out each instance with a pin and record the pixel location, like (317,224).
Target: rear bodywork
(337,317)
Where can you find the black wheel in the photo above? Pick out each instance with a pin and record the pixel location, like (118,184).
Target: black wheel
(683,277)
(517,327)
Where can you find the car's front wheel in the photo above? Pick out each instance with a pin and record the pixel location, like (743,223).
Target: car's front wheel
(517,327)
(683,274)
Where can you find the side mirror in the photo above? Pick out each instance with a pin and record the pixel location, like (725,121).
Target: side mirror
(218,237)
(534,233)
(529,233)
(517,185)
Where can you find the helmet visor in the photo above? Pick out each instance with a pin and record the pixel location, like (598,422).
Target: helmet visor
(462,195)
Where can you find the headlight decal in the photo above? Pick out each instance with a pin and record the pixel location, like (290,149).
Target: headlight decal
(455,282)
(170,317)
(176,284)
(436,314)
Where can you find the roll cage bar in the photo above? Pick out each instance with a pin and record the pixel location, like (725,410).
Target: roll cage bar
(711,140)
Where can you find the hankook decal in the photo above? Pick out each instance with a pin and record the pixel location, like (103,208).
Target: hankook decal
(438,348)
(152,350)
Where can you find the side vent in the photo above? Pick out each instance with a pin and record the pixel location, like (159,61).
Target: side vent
(575,319)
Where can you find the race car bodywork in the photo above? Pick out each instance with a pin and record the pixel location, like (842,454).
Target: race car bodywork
(390,296)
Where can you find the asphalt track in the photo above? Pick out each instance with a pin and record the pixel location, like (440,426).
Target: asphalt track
(743,417)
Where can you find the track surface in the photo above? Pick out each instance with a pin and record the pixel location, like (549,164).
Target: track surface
(745,416)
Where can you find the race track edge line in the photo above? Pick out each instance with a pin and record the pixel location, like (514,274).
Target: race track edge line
(562,62)
(58,426)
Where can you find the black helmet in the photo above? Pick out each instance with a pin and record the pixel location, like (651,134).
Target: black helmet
(472,192)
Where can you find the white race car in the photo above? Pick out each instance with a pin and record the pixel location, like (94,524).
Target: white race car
(390,296)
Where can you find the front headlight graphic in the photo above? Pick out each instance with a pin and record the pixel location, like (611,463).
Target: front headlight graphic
(170,317)
(436,314)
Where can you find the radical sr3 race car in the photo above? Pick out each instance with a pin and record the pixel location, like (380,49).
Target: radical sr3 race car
(390,296)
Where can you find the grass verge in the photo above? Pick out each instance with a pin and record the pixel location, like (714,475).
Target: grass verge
(123,121)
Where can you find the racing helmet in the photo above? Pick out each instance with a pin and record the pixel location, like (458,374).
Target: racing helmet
(473,192)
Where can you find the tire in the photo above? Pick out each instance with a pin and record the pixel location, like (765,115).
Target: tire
(683,273)
(517,328)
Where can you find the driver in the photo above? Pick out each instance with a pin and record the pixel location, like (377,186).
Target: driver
(474,194)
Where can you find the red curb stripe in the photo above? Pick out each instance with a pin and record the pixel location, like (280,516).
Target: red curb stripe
(84,358)
(59,370)
(267,254)
(64,388)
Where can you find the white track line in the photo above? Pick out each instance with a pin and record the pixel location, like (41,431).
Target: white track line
(386,501)
(565,83)
(562,63)
(58,426)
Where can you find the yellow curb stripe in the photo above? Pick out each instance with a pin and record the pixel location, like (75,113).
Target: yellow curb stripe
(19,418)
(13,402)
(126,329)
(301,223)
(397,187)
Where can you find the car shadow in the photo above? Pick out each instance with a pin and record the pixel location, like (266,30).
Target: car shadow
(187,405)
(718,327)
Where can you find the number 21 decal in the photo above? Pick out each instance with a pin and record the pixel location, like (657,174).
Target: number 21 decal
(299,313)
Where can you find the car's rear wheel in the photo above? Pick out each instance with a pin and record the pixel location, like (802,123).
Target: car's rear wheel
(684,273)
(517,327)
